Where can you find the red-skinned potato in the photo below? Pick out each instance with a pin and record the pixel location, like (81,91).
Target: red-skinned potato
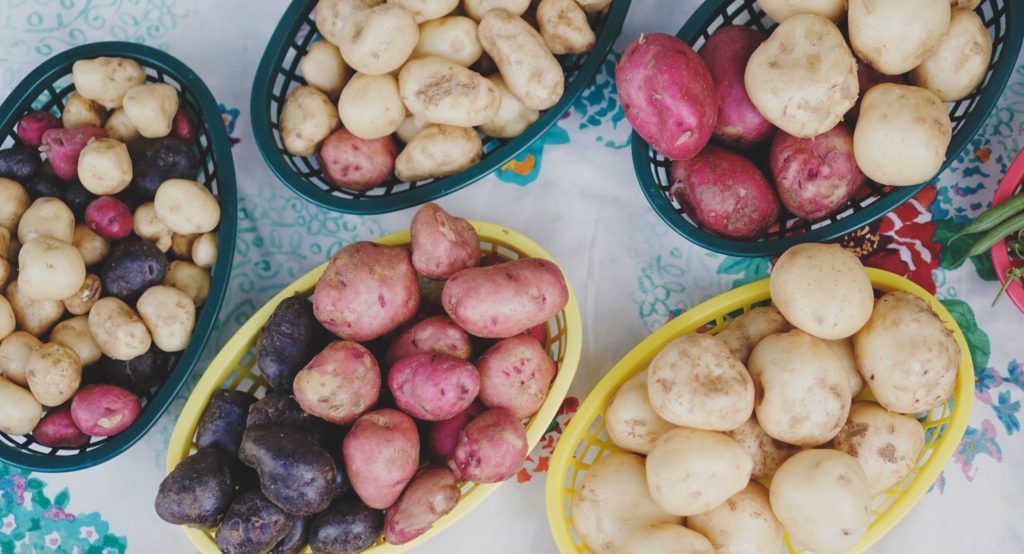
(339,384)
(442,244)
(32,125)
(357,163)
(433,387)
(437,334)
(815,177)
(431,494)
(58,430)
(182,126)
(726,52)
(443,436)
(491,448)
(109,217)
(381,454)
(104,410)
(62,147)
(516,374)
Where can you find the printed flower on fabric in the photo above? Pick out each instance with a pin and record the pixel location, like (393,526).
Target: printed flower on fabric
(538,460)
(977,442)
(230,118)
(525,168)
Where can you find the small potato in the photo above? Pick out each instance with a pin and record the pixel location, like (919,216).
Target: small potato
(630,419)
(50,269)
(378,40)
(119,127)
(253,523)
(62,147)
(170,316)
(767,453)
(186,207)
(437,151)
(593,6)
(47,217)
(477,9)
(822,289)
(332,14)
(433,387)
(409,128)
(14,353)
(803,79)
(821,497)
(339,384)
(431,494)
(453,38)
(291,337)
(427,10)
(204,250)
(443,92)
(189,278)
(109,217)
(90,245)
(843,349)
(33,316)
(744,524)
(53,372)
(306,119)
(81,302)
(370,106)
(442,244)
(118,330)
(442,437)
(696,382)
(74,333)
(151,108)
(564,26)
(7,320)
(104,410)
(437,334)
(726,53)
(780,10)
(181,245)
(691,471)
(516,374)
(198,491)
(81,112)
(33,124)
(376,160)
(902,134)
(133,266)
(744,332)
(959,64)
(895,37)
(530,70)
(512,117)
(148,226)
(106,80)
(381,453)
(491,448)
(322,67)
(104,167)
(886,445)
(14,201)
(58,430)
(19,410)
(965,4)
(667,537)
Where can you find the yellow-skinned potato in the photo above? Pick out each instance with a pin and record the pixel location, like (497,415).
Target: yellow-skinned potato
(667,537)
(323,67)
(954,69)
(104,167)
(33,316)
(79,111)
(766,452)
(186,207)
(438,150)
(529,69)
(148,226)
(593,6)
(477,9)
(441,91)
(512,118)
(378,40)
(106,80)
(409,128)
(49,217)
(426,10)
(895,37)
(370,106)
(119,127)
(968,4)
(744,332)
(14,200)
(90,245)
(50,269)
(780,10)
(190,279)
(118,330)
(630,419)
(74,333)
(744,524)
(204,250)
(19,410)
(82,301)
(151,108)
(843,350)
(54,372)
(564,26)
(14,353)
(886,445)
(331,15)
(7,319)
(690,471)
(170,316)
(453,38)
(307,117)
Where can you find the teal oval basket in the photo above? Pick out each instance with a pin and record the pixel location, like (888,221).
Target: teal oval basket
(278,74)
(1005,22)
(45,88)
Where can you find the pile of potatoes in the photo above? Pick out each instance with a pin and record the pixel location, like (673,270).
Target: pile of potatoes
(98,298)
(429,74)
(841,111)
(381,400)
(759,429)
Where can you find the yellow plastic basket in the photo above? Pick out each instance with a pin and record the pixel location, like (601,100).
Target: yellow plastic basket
(233,369)
(585,440)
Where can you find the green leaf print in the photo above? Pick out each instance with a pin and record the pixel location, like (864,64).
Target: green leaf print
(964,316)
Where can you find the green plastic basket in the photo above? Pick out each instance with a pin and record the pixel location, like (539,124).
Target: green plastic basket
(1005,22)
(278,74)
(45,88)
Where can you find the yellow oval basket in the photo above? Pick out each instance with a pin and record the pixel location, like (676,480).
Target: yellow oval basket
(233,369)
(585,439)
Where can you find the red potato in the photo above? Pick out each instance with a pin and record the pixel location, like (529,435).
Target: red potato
(442,244)
(32,125)
(58,430)
(539,333)
(868,77)
(431,494)
(433,387)
(725,193)
(183,126)
(443,436)
(505,300)
(109,217)
(726,52)
(381,454)
(339,384)
(668,95)
(491,448)
(516,374)
(356,163)
(437,334)
(815,176)
(62,147)
(104,410)
(367,290)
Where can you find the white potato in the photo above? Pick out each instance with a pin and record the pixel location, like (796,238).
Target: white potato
(19,410)
(370,106)
(106,80)
(529,69)
(780,10)
(7,320)
(90,245)
(564,26)
(148,226)
(33,316)
(378,40)
(907,355)
(593,6)
(821,497)
(666,538)
(74,333)
(14,352)
(323,67)
(119,127)
(958,65)
(151,108)
(118,330)
(190,279)
(186,207)
(744,524)
(181,245)
(513,117)
(104,167)
(409,128)
(54,372)
(81,302)
(895,37)
(170,316)
(49,217)
(822,289)
(438,150)
(426,10)
(886,445)
(331,15)
(612,501)
(477,9)
(204,250)
(453,38)
(307,117)
(50,269)
(803,79)
(691,471)
(14,200)
(766,452)
(79,111)
(902,134)
(968,4)
(630,419)
(843,350)
(440,91)
(744,332)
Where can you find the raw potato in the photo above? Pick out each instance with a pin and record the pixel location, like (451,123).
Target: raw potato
(767,453)
(104,167)
(438,151)
(726,53)
(48,217)
(370,106)
(477,9)
(106,80)
(967,4)
(54,372)
(381,453)
(907,355)
(886,445)
(19,410)
(80,112)
(745,524)
(696,382)
(306,119)
(331,15)
(821,497)
(823,290)
(442,244)
(378,40)
(426,10)
(452,37)
(895,37)
(323,67)
(804,395)
(151,108)
(189,278)
(491,448)
(667,537)
(959,64)
(803,78)
(902,134)
(339,384)
(436,334)
(204,250)
(50,269)
(82,300)
(119,127)
(564,27)
(90,245)
(744,332)
(14,200)
(376,160)
(612,500)
(74,333)
(441,91)
(148,226)
(7,321)
(691,471)
(433,387)
(513,117)
(780,10)
(118,330)
(181,245)
(843,350)
(593,6)
(409,129)
(630,419)
(516,374)
(431,494)
(170,316)
(530,70)
(34,316)
(186,207)
(14,353)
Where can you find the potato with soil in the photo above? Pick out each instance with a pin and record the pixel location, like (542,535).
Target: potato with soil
(198,491)
(431,494)
(74,334)
(843,349)
(780,10)
(370,106)
(378,40)
(433,387)
(139,374)
(157,160)
(815,177)
(516,374)
(959,64)
(35,317)
(118,329)
(307,117)
(744,524)
(151,108)
(442,244)
(339,384)
(477,9)
(291,338)
(295,472)
(726,53)
(348,525)
(895,37)
(374,160)
(529,69)
(744,332)
(19,410)
(331,15)
(630,418)
(104,410)
(252,524)
(323,67)
(132,267)
(453,38)
(223,420)
(886,445)
(438,151)
(491,448)
(81,112)
(767,453)
(665,538)
(691,471)
(382,452)
(106,79)
(50,269)
(437,334)
(443,92)
(58,430)
(53,372)
(15,350)
(564,26)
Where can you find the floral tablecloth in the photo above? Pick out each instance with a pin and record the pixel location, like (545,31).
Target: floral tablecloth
(574,192)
